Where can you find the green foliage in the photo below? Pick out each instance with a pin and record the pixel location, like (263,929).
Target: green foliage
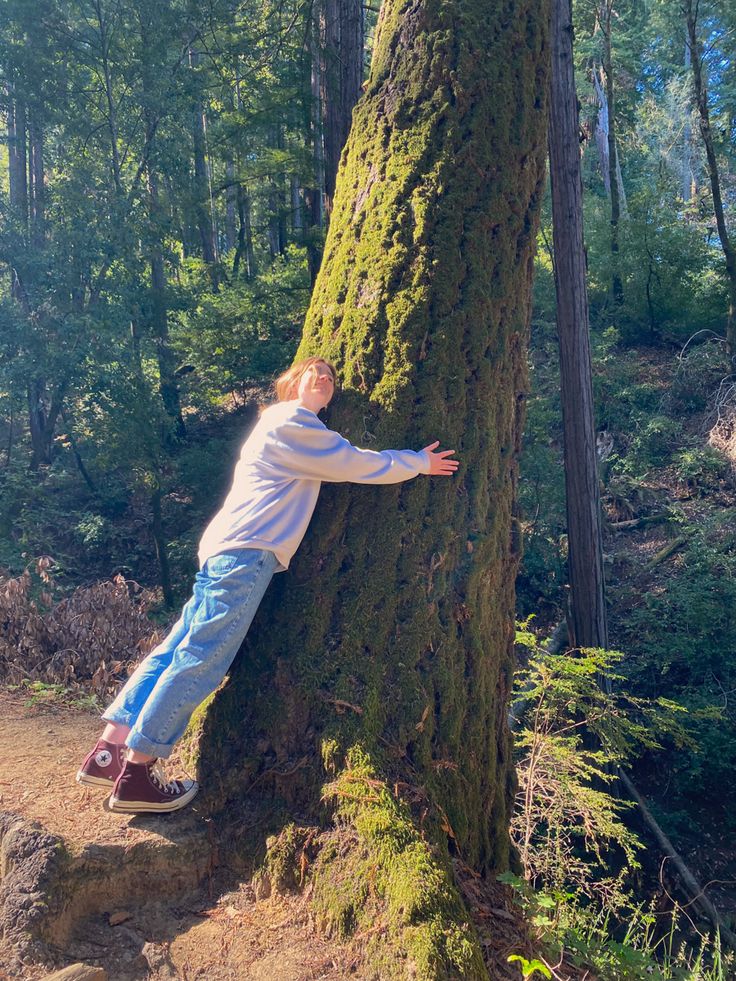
(682,635)
(244,334)
(530,968)
(660,946)
(576,726)
(41,693)
(702,468)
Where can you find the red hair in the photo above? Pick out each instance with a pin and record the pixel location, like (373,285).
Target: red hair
(288,382)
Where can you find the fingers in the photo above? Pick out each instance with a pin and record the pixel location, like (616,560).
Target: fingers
(440,464)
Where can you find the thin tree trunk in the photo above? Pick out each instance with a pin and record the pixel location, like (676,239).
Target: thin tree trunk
(587,619)
(160,317)
(296,207)
(689,188)
(77,455)
(201,177)
(245,237)
(314,196)
(231,207)
(9,444)
(112,118)
(17,157)
(17,179)
(37,186)
(162,553)
(617,289)
(701,97)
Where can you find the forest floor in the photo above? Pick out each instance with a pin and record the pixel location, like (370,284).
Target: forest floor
(645,561)
(219,933)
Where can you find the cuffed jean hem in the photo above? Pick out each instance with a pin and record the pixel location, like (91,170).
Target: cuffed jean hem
(142,744)
(119,717)
(160,696)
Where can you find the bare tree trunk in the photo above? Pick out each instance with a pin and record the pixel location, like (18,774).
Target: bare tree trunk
(297,223)
(689,186)
(202,203)
(37,186)
(104,35)
(159,540)
(245,237)
(601,140)
(617,289)
(341,77)
(231,207)
(314,195)
(17,179)
(276,209)
(587,620)
(17,157)
(701,97)
(160,317)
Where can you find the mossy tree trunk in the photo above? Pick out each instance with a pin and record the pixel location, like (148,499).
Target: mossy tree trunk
(393,629)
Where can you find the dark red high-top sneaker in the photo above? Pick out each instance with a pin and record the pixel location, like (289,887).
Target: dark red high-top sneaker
(143,787)
(102,765)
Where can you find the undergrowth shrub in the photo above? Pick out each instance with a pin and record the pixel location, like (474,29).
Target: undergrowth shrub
(92,638)
(576,724)
(682,637)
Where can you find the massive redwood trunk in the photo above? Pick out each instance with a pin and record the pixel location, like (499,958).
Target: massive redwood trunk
(383,658)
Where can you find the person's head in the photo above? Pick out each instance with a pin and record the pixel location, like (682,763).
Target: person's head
(312,381)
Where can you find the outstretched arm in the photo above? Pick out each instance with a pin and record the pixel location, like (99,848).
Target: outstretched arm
(306,448)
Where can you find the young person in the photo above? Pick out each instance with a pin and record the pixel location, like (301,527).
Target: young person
(255,534)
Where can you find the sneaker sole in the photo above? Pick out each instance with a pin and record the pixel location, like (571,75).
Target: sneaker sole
(90,781)
(119,806)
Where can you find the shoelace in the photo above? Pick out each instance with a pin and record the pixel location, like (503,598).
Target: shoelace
(159,777)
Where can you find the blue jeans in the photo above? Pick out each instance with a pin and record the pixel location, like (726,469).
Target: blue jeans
(159,697)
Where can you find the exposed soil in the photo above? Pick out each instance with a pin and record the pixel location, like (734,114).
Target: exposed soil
(219,933)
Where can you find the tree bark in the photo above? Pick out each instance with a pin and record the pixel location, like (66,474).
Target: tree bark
(689,184)
(617,289)
(17,178)
(314,196)
(341,79)
(392,636)
(245,237)
(231,207)
(587,620)
(159,540)
(168,387)
(701,97)
(202,205)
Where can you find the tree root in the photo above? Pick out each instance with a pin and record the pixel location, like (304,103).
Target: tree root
(375,880)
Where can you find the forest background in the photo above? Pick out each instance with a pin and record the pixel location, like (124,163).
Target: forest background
(166,177)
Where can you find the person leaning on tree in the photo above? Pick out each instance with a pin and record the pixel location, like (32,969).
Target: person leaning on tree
(255,534)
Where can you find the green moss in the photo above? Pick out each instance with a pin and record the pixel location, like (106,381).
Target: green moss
(393,629)
(190,741)
(380,872)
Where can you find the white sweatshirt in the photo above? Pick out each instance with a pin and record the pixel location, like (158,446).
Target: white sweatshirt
(277,480)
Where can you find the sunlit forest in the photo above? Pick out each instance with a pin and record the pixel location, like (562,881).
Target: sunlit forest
(174,174)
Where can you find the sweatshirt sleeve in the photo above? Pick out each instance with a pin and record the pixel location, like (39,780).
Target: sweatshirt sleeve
(304,447)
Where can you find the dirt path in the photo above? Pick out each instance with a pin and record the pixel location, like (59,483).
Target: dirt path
(222,936)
